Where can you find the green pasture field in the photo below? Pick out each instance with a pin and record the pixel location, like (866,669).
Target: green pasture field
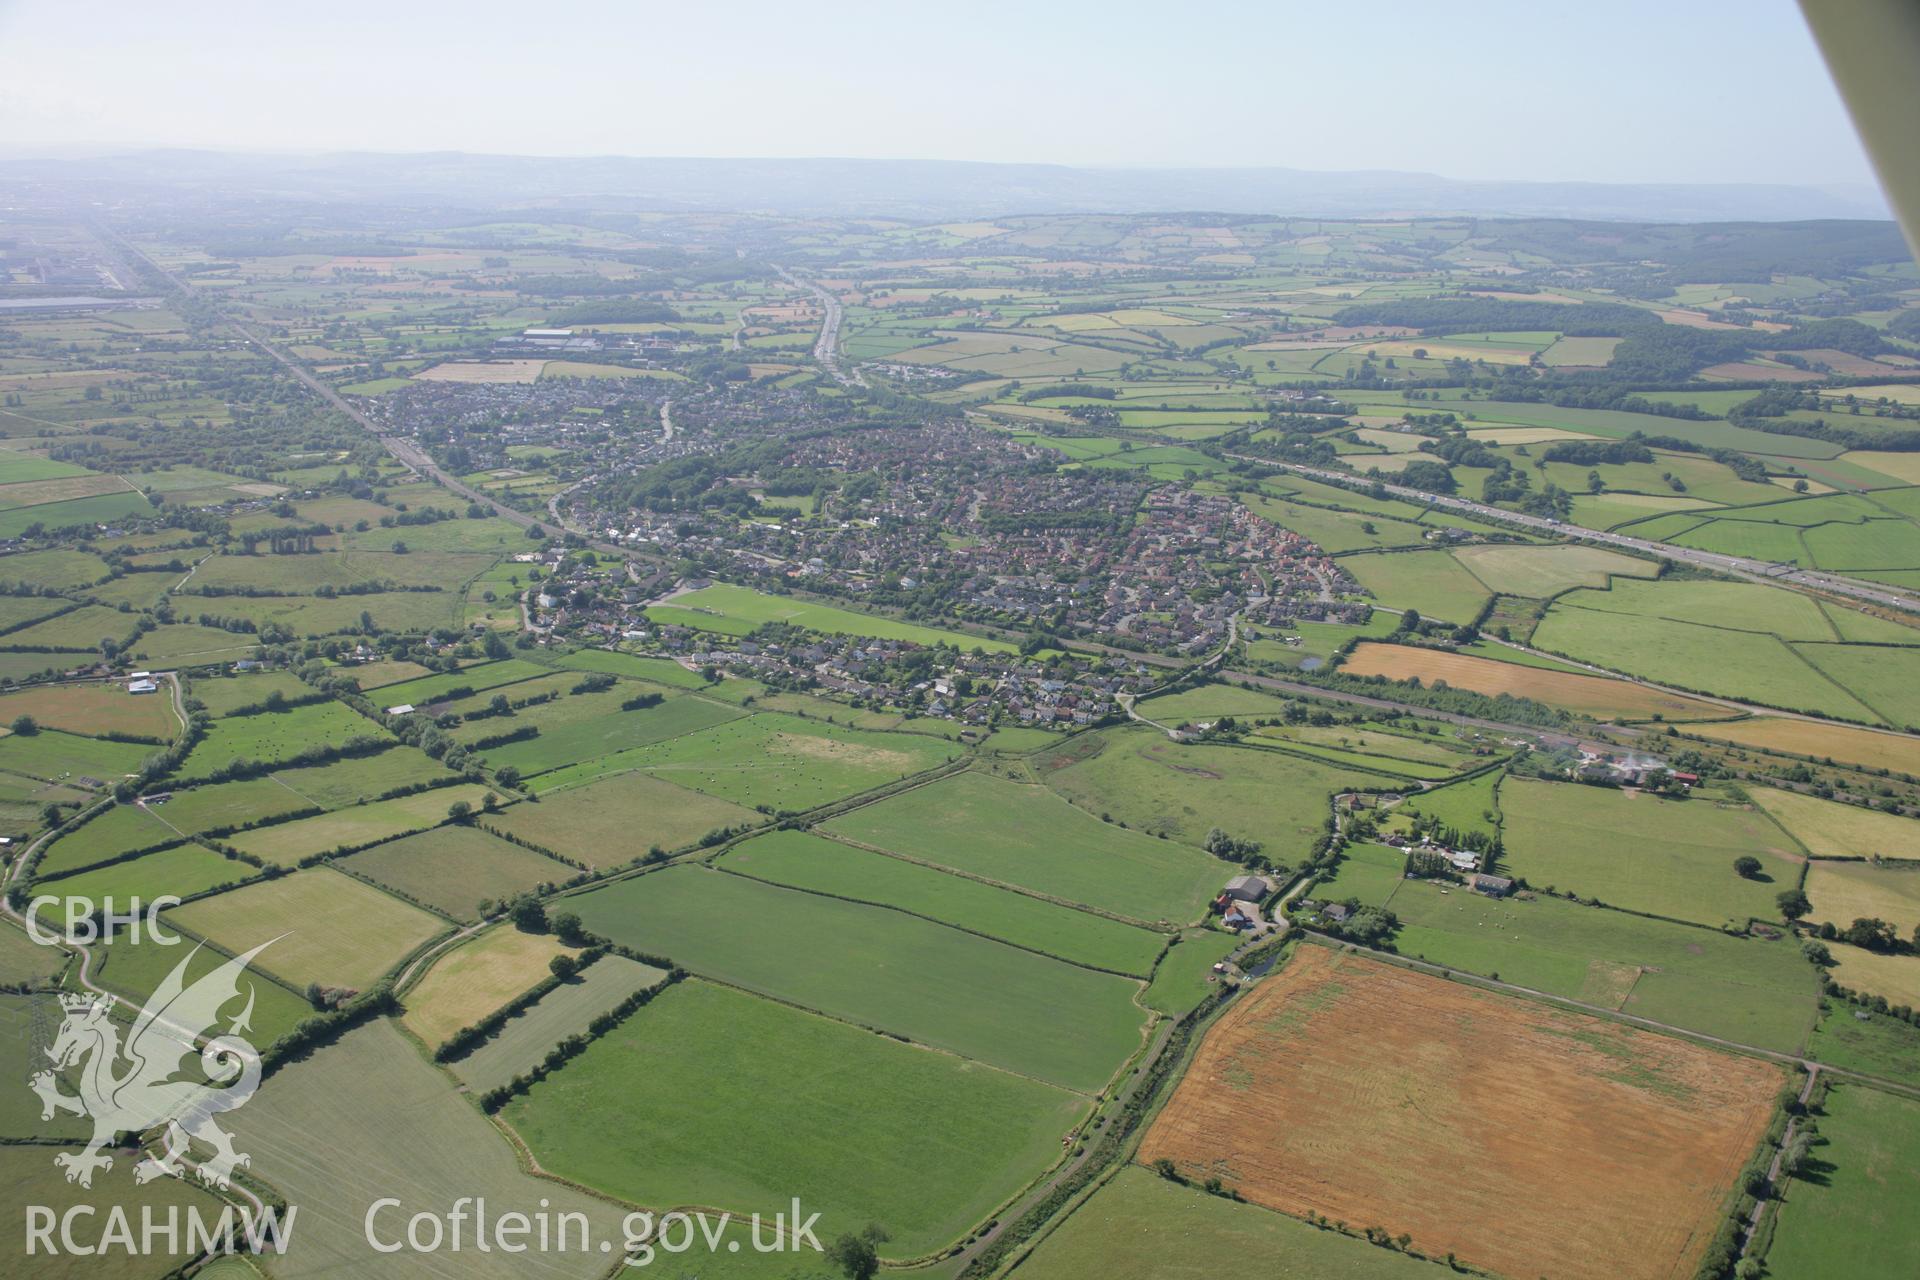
(94,709)
(1140,1215)
(1614,424)
(1398,766)
(181,871)
(1468,805)
(120,829)
(1383,746)
(338,931)
(1185,790)
(222,694)
(137,590)
(314,1123)
(1875,1044)
(1885,679)
(381,672)
(135,968)
(1716,660)
(1830,829)
(567,743)
(1026,836)
(18,611)
(1540,572)
(347,781)
(634,666)
(31,1178)
(1184,976)
(748,609)
(314,616)
(1745,989)
(58,515)
(188,644)
(1336,531)
(567,1010)
(1432,582)
(23,1047)
(276,735)
(1318,641)
(355,825)
(779,761)
(1207,702)
(1849,1212)
(1368,873)
(452,868)
(77,630)
(59,757)
(745,1100)
(60,569)
(1672,858)
(477,977)
(24,961)
(800,860)
(806,704)
(228,804)
(619,818)
(485,675)
(871,966)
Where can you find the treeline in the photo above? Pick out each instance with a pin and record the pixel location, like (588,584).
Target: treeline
(617,311)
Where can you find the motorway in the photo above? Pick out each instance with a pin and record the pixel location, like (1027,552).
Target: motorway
(1741,566)
(826,348)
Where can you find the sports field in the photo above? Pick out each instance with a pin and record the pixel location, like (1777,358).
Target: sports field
(330,928)
(1595,696)
(802,860)
(1636,850)
(744,1102)
(1850,1212)
(1349,1088)
(1023,835)
(875,967)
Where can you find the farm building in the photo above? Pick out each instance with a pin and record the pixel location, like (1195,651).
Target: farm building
(1492,886)
(1241,915)
(1248,888)
(141,686)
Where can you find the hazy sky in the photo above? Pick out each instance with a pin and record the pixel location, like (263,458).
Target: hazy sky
(1626,90)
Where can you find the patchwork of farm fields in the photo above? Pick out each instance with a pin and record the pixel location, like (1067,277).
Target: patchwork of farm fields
(1596,696)
(1341,1087)
(1671,858)
(932,984)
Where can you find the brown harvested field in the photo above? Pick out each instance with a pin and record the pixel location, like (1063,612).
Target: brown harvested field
(1528,1140)
(1863,747)
(1596,696)
(490,371)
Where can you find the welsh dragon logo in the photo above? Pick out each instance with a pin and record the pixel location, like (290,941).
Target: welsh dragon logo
(131,1086)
